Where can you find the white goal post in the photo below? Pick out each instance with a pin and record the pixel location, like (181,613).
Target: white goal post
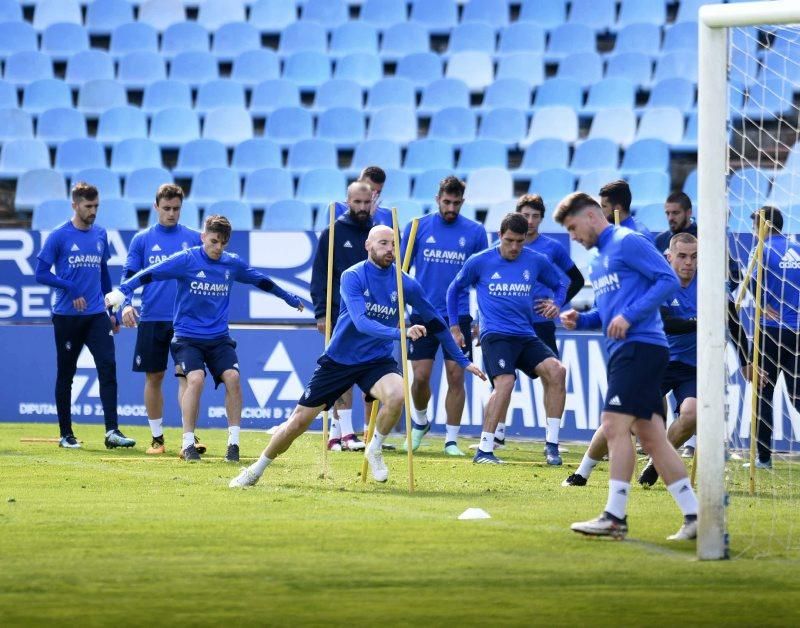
(712,154)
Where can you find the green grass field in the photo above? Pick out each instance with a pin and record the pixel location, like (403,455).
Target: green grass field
(97,537)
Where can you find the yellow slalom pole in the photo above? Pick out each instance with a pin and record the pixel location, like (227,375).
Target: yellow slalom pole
(694,468)
(616,218)
(745,281)
(328,327)
(755,371)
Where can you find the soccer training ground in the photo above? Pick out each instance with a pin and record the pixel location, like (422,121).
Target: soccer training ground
(96,537)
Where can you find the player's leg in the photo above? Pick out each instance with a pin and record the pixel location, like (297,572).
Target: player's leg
(154,406)
(69,342)
(770,366)
(344,409)
(223,364)
(539,360)
(420,394)
(454,406)
(598,448)
(496,407)
(388,389)
(190,409)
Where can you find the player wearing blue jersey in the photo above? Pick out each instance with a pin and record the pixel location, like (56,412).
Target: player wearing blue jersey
(205,277)
(444,241)
(678,210)
(360,352)
(505,279)
(616,196)
(154,323)
(375,178)
(631,280)
(79,251)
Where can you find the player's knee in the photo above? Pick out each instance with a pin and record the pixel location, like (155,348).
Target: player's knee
(556,372)
(231,379)
(195,379)
(394,399)
(689,410)
(503,384)
(154,379)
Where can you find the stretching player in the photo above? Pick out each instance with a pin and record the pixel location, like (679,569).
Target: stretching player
(155,331)
(79,250)
(505,278)
(443,243)
(205,276)
(630,280)
(360,352)
(616,196)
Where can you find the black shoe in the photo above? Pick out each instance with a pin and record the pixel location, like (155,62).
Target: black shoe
(576,479)
(118,439)
(233,453)
(649,475)
(190,454)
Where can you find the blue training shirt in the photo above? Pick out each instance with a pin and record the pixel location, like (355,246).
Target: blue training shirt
(203,289)
(80,257)
(440,250)
(367,326)
(382,215)
(634,225)
(505,290)
(683,304)
(150,247)
(630,277)
(781,289)
(559,257)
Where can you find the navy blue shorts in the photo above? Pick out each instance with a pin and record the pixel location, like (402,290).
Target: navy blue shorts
(504,355)
(426,347)
(153,340)
(635,372)
(681,379)
(331,380)
(195,354)
(546,332)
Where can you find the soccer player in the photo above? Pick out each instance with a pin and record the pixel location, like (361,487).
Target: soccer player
(79,250)
(678,209)
(617,196)
(205,277)
(360,352)
(505,279)
(444,241)
(350,235)
(155,331)
(375,178)
(631,279)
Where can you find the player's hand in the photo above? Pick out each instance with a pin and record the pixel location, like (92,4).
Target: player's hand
(79,304)
(321,325)
(375,201)
(569,319)
(455,330)
(476,333)
(292,300)
(129,316)
(115,299)
(114,323)
(415,332)
(618,327)
(476,371)
(547,308)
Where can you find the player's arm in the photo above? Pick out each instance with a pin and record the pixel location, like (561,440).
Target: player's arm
(457,293)
(676,324)
(173,267)
(550,277)
(134,262)
(589,320)
(319,276)
(352,294)
(249,275)
(643,257)
(738,335)
(576,282)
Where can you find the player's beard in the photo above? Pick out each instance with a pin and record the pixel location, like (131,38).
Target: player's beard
(361,217)
(448,216)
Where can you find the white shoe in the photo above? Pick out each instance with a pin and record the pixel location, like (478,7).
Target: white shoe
(687,532)
(376,464)
(352,443)
(245,478)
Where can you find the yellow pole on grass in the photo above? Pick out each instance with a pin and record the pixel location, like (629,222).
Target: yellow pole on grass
(328,327)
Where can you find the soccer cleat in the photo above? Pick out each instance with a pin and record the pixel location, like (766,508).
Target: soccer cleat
(245,478)
(687,532)
(232,455)
(118,439)
(156,446)
(767,464)
(574,479)
(388,447)
(486,457)
(499,443)
(604,525)
(451,449)
(552,456)
(190,454)
(688,452)
(69,442)
(376,464)
(335,444)
(200,447)
(417,434)
(649,476)
(352,443)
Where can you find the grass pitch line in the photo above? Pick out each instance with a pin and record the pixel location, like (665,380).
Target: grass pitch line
(32,439)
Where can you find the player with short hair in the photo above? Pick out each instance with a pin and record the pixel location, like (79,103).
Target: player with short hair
(616,196)
(505,279)
(79,250)
(154,324)
(678,210)
(444,241)
(205,275)
(631,279)
(361,352)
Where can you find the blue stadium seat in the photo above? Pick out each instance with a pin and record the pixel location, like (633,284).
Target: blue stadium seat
(78,154)
(690,185)
(552,184)
(140,185)
(522,37)
(311,154)
(215,184)
(256,153)
(662,123)
(595,154)
(136,70)
(229,125)
(389,91)
(371,152)
(650,154)
(523,66)
(338,93)
(472,37)
(194,68)
(408,209)
(332,13)
(673,92)
(679,64)
(438,17)
(220,93)
(689,141)
(553,122)
(166,94)
(652,216)
(15,124)
(397,187)
(308,70)
(45,94)
(476,69)
(198,155)
(592,181)
(103,17)
(120,123)
(49,214)
(610,93)
(17,37)
(749,187)
(89,65)
(106,181)
(60,124)
(456,125)
(273,94)
(634,66)
(11,11)
(254,66)
(18,156)
(184,37)
(287,125)
(493,12)
(426,185)
(542,155)
(265,186)
(507,93)
(398,124)
(174,126)
(133,37)
(288,215)
(233,38)
(403,39)
(648,188)
(322,186)
(482,153)
(617,124)
(489,185)
(118,214)
(420,68)
(637,12)
(8,96)
(777,66)
(47,12)
(584,67)
(133,154)
(272,16)
(354,37)
(495,214)
(37,186)
(427,154)
(599,15)
(681,36)
(547,13)
(214,13)
(441,93)
(504,125)
(344,126)
(303,37)
(768,99)
(567,39)
(161,13)
(27,66)
(383,13)
(559,92)
(62,40)
(237,212)
(364,68)
(639,37)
